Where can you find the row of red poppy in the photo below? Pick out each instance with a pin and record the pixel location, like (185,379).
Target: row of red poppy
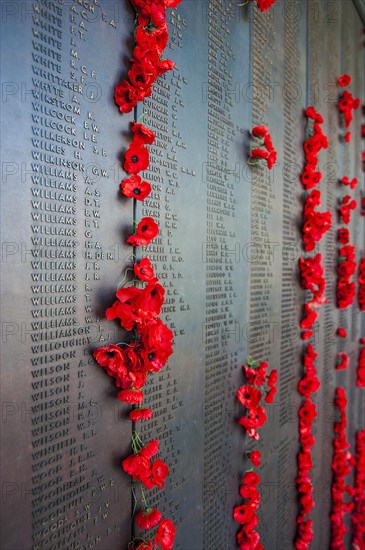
(139,305)
(250,396)
(312,279)
(357,516)
(342,464)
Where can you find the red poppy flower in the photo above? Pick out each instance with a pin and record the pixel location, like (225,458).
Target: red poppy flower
(147,230)
(259,154)
(142,75)
(144,270)
(256,418)
(159,472)
(269,397)
(150,449)
(310,112)
(110,356)
(243,513)
(147,518)
(264,5)
(273,378)
(150,301)
(140,414)
(251,478)
(260,131)
(142,135)
(344,361)
(348,137)
(165,535)
(135,187)
(248,396)
(155,335)
(271,161)
(255,376)
(310,317)
(138,467)
(308,385)
(255,457)
(343,235)
(155,40)
(344,80)
(125,96)
(124,308)
(136,159)
(268,143)
(131,396)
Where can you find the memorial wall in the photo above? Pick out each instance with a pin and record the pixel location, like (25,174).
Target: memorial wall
(227,252)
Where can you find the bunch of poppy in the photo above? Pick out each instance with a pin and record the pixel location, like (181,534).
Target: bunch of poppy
(360,371)
(264,5)
(165,534)
(139,466)
(312,278)
(151,39)
(346,105)
(345,290)
(361,289)
(250,396)
(263,148)
(315,223)
(347,204)
(342,464)
(358,513)
(137,309)
(308,385)
(310,176)
(246,514)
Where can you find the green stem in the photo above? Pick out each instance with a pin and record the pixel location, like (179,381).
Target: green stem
(144,498)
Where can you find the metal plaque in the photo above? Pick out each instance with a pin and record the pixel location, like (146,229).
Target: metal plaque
(227,255)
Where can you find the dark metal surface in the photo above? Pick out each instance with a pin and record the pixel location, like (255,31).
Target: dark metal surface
(226,255)
(63,228)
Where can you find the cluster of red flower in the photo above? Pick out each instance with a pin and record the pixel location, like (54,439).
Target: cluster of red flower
(315,223)
(346,289)
(264,5)
(342,463)
(250,396)
(360,372)
(346,181)
(310,177)
(347,204)
(268,153)
(361,290)
(358,513)
(246,514)
(347,103)
(138,307)
(312,279)
(308,385)
(151,38)
(344,361)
